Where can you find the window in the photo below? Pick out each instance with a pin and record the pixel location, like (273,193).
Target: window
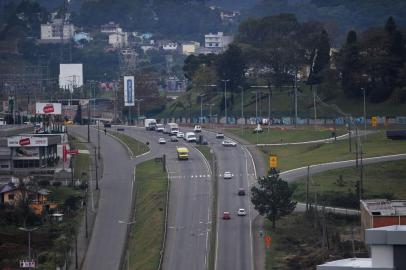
(11,197)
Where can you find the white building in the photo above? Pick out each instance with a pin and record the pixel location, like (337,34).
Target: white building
(110,28)
(388,251)
(57,31)
(190,47)
(170,46)
(217,41)
(118,39)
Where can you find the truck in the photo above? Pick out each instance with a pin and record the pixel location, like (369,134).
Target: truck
(150,124)
(171,129)
(183,153)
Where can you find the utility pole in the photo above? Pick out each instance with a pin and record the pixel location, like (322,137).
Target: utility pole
(138,110)
(201,107)
(88,121)
(349,133)
(96,173)
(314,107)
(365,116)
(295,85)
(98,139)
(307,188)
(361,175)
(356,146)
(225,98)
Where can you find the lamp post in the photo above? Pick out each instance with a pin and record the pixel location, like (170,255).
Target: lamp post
(201,107)
(225,98)
(138,110)
(29,230)
(365,116)
(210,120)
(128,252)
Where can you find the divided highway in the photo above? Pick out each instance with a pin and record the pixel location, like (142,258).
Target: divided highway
(189,217)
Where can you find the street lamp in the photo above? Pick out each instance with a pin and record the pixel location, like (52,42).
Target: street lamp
(225,98)
(128,253)
(29,238)
(201,107)
(210,120)
(138,109)
(365,114)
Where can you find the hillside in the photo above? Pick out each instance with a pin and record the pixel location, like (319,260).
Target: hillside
(340,15)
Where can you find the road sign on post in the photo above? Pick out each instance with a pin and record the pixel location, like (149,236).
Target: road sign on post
(273,161)
(374,121)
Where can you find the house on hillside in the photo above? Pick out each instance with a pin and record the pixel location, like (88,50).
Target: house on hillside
(217,41)
(190,47)
(110,28)
(58,30)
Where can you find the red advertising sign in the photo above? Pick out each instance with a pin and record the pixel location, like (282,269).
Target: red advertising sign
(268,240)
(48,108)
(25,141)
(73,152)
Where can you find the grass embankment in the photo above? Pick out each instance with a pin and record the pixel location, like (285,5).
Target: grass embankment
(205,150)
(297,241)
(81,162)
(382,180)
(150,205)
(286,135)
(295,156)
(136,147)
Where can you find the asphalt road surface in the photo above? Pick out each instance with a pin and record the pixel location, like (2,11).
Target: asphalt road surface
(189,217)
(116,185)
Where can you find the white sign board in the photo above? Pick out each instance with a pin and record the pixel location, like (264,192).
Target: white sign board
(70,76)
(48,108)
(28,141)
(27,264)
(129,91)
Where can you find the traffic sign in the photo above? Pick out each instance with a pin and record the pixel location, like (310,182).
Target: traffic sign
(268,240)
(374,121)
(273,161)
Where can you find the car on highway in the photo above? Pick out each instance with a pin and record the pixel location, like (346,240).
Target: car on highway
(219,136)
(107,125)
(162,141)
(241,192)
(227,143)
(197,129)
(227,175)
(174,138)
(241,212)
(180,134)
(226,215)
(120,129)
(159,127)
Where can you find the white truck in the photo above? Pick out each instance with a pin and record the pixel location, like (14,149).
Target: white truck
(150,124)
(190,137)
(171,129)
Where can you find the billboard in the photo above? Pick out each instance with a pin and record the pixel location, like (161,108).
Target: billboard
(48,108)
(129,91)
(70,76)
(25,153)
(29,141)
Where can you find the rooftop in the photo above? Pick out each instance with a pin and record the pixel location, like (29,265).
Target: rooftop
(346,263)
(384,207)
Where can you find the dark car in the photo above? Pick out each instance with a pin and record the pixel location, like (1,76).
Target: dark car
(220,136)
(241,192)
(107,125)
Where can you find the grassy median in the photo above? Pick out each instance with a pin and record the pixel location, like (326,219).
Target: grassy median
(150,205)
(136,147)
(382,180)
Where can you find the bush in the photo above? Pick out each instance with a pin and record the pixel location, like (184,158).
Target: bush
(57,184)
(43,183)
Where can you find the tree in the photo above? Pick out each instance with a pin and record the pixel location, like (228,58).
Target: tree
(231,66)
(321,59)
(272,197)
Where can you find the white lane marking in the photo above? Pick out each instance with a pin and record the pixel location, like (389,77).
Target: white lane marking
(249,211)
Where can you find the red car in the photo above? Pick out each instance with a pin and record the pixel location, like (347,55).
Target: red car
(226,215)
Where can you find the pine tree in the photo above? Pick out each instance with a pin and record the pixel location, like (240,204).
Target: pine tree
(272,197)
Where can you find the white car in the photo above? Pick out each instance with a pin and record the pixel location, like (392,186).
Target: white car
(227,175)
(228,143)
(197,129)
(162,141)
(241,212)
(159,127)
(180,134)
(219,136)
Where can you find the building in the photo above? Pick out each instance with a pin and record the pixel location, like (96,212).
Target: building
(217,41)
(174,84)
(57,31)
(190,47)
(110,28)
(170,46)
(381,212)
(388,250)
(118,39)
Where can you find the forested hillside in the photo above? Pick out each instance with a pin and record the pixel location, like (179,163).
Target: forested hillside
(339,15)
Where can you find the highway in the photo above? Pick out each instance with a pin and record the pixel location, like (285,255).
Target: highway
(116,186)
(190,197)
(234,236)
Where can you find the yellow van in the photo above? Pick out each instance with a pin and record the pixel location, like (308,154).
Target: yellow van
(183,153)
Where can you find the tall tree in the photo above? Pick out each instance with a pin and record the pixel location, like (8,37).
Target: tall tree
(321,58)
(272,197)
(231,66)
(349,64)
